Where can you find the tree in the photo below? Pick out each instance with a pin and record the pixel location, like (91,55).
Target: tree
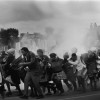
(4,37)
(9,37)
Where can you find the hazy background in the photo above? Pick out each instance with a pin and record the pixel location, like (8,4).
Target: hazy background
(70,20)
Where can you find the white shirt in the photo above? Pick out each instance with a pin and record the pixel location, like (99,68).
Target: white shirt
(98,62)
(78,63)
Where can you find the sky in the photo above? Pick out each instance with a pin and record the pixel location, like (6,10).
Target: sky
(70,19)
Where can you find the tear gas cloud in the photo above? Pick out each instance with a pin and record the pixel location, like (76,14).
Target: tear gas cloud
(63,24)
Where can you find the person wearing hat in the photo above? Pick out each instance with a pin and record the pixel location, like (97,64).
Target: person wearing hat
(56,65)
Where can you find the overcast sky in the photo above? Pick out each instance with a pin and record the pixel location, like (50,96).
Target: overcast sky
(70,18)
(24,13)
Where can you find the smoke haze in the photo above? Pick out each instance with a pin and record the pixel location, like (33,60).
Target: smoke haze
(69,20)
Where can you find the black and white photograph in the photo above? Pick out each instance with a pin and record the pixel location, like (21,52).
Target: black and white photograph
(49,49)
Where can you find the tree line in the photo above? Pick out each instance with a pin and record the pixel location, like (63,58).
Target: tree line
(8,37)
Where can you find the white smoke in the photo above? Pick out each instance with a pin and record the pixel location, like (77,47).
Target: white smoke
(69,22)
(93,36)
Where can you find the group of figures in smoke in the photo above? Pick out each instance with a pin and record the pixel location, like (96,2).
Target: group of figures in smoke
(44,74)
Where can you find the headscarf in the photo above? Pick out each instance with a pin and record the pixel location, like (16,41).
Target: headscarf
(11,51)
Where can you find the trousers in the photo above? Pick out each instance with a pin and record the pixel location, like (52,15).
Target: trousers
(31,76)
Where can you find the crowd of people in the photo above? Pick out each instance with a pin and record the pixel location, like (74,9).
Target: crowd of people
(44,74)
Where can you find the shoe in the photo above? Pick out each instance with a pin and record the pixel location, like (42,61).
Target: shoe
(54,91)
(4,89)
(40,97)
(32,95)
(49,94)
(71,88)
(8,93)
(83,91)
(24,97)
(3,95)
(20,94)
(61,92)
(75,90)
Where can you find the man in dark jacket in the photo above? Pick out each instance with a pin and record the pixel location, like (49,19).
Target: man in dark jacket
(56,65)
(33,72)
(43,61)
(68,69)
(91,65)
(46,72)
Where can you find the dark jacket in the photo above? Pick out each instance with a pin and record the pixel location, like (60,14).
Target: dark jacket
(8,60)
(56,65)
(31,61)
(66,66)
(44,59)
(91,64)
(68,70)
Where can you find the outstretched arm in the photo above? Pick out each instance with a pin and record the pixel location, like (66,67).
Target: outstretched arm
(32,60)
(74,63)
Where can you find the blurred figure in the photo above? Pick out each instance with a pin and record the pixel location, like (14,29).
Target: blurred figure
(42,59)
(33,72)
(73,61)
(56,65)
(81,73)
(45,74)
(68,71)
(10,76)
(6,67)
(92,69)
(2,56)
(98,62)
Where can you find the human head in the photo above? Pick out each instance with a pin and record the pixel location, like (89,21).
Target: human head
(66,55)
(24,51)
(90,53)
(74,56)
(53,56)
(40,52)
